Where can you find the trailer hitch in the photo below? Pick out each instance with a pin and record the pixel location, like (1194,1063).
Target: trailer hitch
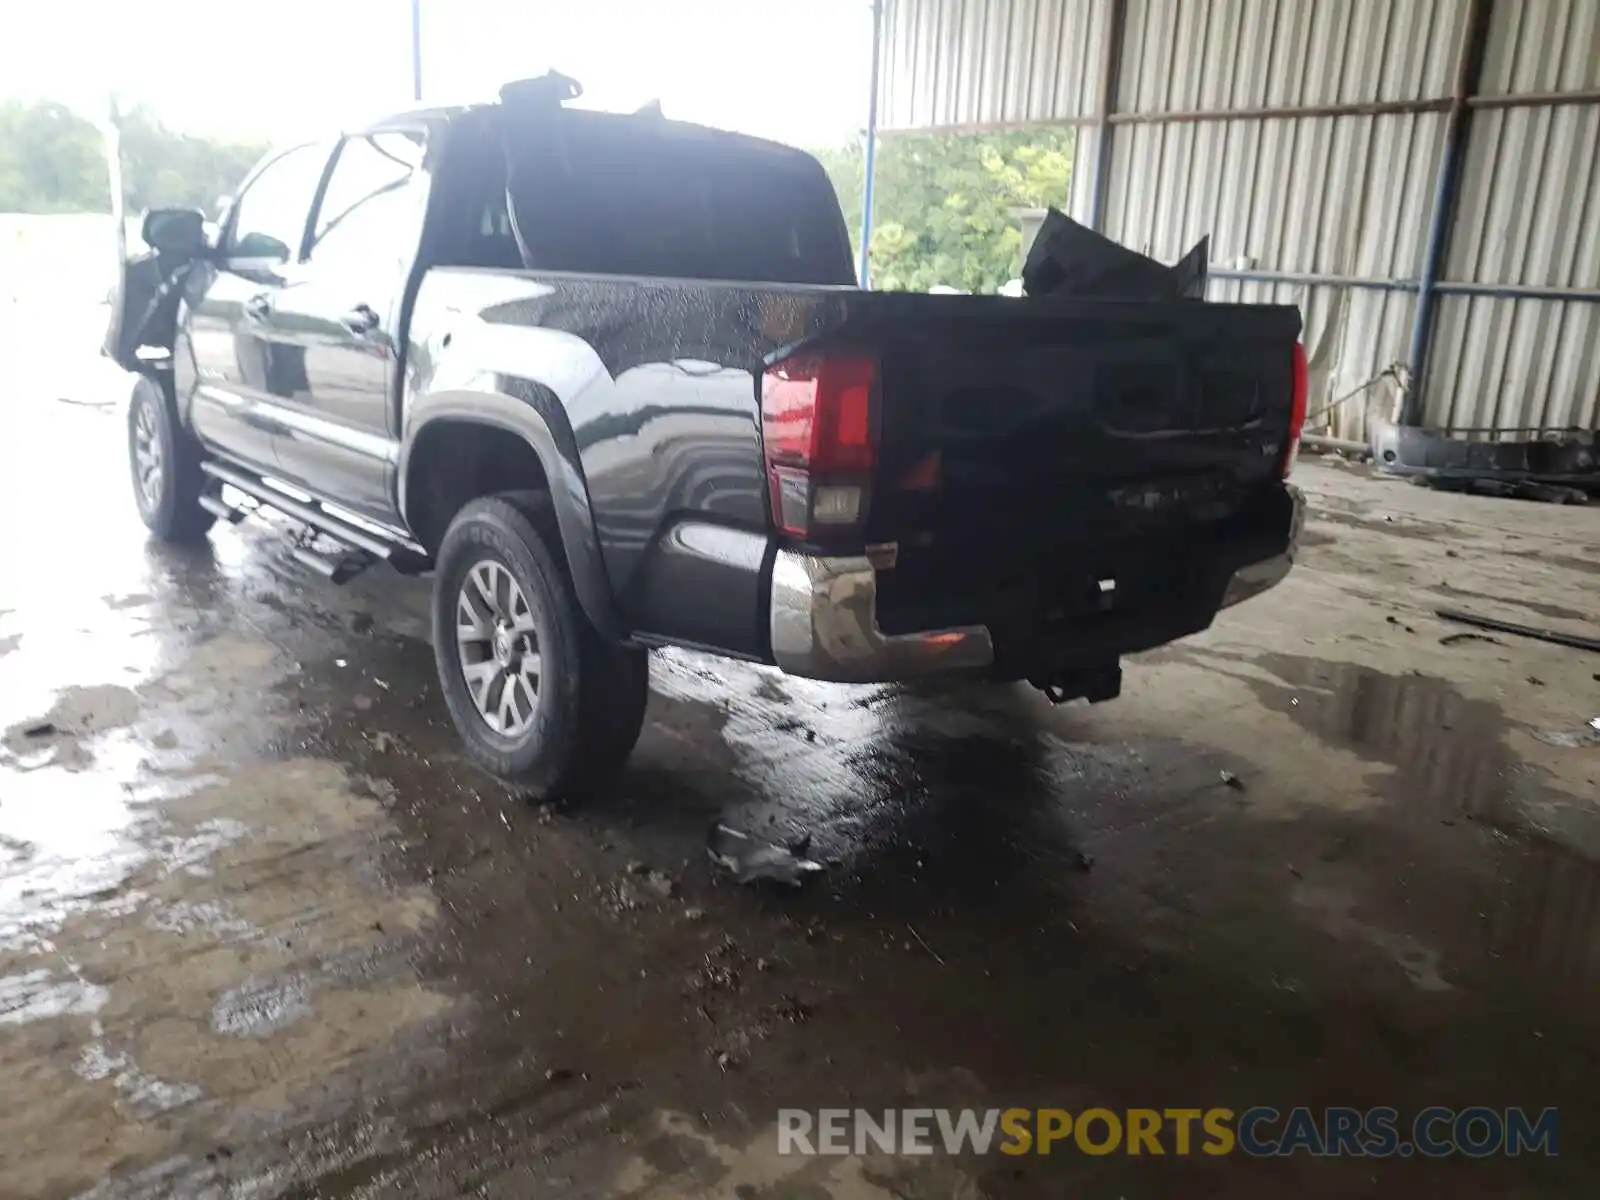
(1093,684)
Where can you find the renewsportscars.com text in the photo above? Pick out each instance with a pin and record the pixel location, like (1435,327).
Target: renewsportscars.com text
(1259,1132)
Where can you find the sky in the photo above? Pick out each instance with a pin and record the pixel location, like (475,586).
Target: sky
(795,70)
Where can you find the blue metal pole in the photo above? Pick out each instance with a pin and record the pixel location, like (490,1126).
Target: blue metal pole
(1106,131)
(1446,188)
(416,49)
(864,269)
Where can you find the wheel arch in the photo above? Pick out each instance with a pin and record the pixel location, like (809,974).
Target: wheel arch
(494,442)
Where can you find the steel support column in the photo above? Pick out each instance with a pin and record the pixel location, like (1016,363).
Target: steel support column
(1447,186)
(1104,129)
(870,166)
(416,49)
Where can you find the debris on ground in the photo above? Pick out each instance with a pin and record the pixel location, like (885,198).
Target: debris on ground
(791,1010)
(382,741)
(1553,636)
(557,1075)
(722,969)
(660,882)
(1232,780)
(931,951)
(1522,489)
(1454,639)
(622,897)
(751,859)
(380,789)
(1571,739)
(694,913)
(1083,860)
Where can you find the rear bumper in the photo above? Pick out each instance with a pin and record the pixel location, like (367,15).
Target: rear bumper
(825,626)
(1254,578)
(824,616)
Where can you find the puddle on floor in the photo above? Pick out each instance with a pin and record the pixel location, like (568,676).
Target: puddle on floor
(1447,750)
(1471,833)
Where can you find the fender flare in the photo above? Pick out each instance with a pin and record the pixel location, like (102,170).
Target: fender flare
(531,412)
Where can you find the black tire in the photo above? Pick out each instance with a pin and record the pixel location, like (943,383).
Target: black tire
(170,505)
(591,693)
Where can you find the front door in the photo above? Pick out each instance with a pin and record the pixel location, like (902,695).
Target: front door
(227,367)
(339,315)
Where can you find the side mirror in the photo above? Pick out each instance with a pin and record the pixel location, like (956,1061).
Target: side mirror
(180,232)
(258,247)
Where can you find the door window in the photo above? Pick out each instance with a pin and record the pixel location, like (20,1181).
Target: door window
(372,211)
(269,219)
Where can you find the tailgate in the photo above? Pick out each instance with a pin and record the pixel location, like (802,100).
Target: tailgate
(1023,440)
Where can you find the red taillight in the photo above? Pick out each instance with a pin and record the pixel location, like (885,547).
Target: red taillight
(1297,407)
(817,435)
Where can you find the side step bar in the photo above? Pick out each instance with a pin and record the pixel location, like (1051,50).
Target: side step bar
(215,506)
(365,545)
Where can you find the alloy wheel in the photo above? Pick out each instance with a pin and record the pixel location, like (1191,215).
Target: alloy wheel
(498,648)
(147,461)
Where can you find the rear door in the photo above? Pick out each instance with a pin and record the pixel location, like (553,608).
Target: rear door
(231,371)
(339,315)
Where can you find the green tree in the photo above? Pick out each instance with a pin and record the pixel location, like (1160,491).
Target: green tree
(942,203)
(53,160)
(162,168)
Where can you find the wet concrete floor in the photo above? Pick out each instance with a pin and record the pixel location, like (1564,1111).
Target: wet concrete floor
(263,932)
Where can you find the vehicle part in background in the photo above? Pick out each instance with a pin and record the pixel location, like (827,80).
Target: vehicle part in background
(1069,259)
(1446,459)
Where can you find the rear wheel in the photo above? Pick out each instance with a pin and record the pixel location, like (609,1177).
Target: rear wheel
(537,694)
(164,460)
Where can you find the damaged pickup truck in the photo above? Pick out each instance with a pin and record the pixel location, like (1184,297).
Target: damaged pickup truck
(609,377)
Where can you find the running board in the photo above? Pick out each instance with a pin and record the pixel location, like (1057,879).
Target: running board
(337,570)
(360,545)
(215,506)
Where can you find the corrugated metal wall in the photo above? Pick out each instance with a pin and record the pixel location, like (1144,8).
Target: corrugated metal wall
(1305,137)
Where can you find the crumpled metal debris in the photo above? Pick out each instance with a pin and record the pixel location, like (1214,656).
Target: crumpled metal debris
(1069,259)
(750,859)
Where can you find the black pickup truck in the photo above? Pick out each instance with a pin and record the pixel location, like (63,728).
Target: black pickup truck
(609,377)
